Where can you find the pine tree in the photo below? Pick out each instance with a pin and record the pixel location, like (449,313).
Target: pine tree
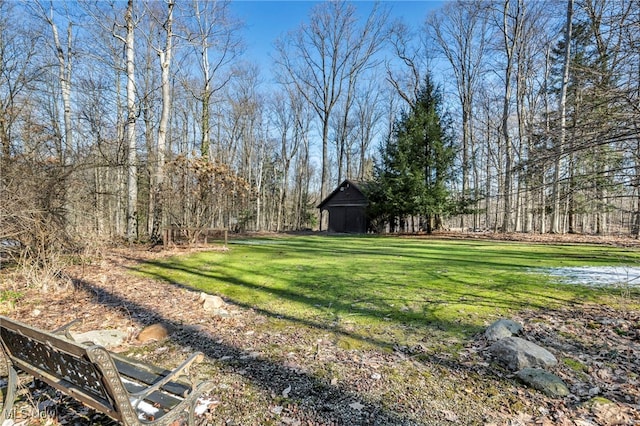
(416,164)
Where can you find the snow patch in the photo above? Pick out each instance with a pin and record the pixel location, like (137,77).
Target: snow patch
(203,405)
(598,276)
(145,410)
(255,242)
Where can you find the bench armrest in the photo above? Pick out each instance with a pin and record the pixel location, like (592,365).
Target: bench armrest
(181,370)
(64,330)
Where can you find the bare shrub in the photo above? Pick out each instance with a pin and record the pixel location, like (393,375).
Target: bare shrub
(32,219)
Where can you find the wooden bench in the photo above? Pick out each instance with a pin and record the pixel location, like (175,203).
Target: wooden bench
(126,390)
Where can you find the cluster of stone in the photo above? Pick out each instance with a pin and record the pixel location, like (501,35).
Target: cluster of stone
(528,360)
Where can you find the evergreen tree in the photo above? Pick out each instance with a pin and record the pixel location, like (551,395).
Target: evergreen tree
(416,164)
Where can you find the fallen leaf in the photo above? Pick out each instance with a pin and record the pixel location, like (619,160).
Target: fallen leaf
(285,393)
(450,416)
(356,406)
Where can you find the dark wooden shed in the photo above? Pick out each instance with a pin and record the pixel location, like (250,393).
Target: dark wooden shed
(346,206)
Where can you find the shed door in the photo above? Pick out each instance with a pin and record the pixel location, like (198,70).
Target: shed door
(354,220)
(337,219)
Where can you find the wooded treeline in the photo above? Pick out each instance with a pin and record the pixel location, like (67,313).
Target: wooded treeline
(118,119)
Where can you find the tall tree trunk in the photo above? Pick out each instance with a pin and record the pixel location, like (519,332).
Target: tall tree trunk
(488,180)
(555,221)
(635,230)
(165,65)
(64,76)
(132,158)
(461,36)
(324,178)
(508,166)
(205,124)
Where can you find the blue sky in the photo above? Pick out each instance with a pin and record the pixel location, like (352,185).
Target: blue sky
(267,20)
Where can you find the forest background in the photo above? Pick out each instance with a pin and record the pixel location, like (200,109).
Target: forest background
(119,119)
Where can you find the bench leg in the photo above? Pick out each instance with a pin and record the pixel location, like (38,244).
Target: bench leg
(10,396)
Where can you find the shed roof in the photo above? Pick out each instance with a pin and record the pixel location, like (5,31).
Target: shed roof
(347,183)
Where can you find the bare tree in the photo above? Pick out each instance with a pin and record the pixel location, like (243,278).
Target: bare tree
(562,107)
(128,39)
(17,52)
(512,16)
(214,35)
(290,118)
(157,183)
(369,116)
(406,81)
(64,56)
(461,31)
(319,59)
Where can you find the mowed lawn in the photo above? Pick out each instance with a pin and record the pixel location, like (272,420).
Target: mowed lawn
(388,291)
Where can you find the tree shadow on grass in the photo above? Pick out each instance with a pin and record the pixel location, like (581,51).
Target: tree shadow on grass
(318,400)
(372,307)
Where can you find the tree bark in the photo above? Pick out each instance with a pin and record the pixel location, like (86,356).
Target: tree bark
(64,76)
(132,158)
(510,39)
(555,219)
(165,65)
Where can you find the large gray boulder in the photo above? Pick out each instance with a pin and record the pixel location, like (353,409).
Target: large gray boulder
(515,354)
(501,329)
(544,381)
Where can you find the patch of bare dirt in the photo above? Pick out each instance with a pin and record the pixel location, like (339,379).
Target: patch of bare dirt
(279,372)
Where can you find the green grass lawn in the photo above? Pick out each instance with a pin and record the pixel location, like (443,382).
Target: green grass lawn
(386,291)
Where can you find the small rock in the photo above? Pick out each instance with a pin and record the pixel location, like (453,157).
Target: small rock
(543,381)
(376,376)
(501,329)
(222,313)
(36,312)
(154,332)
(515,354)
(210,303)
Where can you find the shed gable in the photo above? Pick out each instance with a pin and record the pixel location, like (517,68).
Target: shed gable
(347,194)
